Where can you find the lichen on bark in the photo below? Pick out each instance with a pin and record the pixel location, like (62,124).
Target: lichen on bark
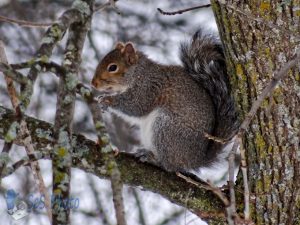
(86,156)
(259,37)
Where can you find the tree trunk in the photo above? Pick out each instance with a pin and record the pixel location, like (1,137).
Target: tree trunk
(259,38)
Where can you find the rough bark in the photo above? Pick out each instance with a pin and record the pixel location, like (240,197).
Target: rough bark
(62,157)
(259,38)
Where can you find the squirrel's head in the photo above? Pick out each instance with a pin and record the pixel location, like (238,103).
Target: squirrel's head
(110,72)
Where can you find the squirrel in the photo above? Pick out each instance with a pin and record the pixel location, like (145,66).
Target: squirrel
(175,106)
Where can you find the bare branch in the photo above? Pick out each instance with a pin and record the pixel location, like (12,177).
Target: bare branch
(62,158)
(99,8)
(101,214)
(4,157)
(50,39)
(9,82)
(245,183)
(24,23)
(217,139)
(14,101)
(182,10)
(27,140)
(139,205)
(110,163)
(207,186)
(12,75)
(117,187)
(52,36)
(36,170)
(231,210)
(45,66)
(26,161)
(110,3)
(172,218)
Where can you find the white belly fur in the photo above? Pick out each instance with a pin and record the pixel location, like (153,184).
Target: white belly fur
(145,124)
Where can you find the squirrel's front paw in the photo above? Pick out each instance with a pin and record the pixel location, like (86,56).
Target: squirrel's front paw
(105,101)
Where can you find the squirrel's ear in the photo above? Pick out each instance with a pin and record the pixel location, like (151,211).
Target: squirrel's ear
(120,46)
(130,53)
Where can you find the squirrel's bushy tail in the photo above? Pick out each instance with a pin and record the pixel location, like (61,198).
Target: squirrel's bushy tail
(203,58)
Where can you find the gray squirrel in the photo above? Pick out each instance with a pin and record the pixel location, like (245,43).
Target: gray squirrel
(175,106)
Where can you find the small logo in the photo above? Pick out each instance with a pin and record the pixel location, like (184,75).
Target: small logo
(18,207)
(15,206)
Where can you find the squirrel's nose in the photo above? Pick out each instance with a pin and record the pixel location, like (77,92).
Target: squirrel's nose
(95,82)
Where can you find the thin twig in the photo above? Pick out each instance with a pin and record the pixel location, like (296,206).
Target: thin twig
(11,75)
(110,3)
(26,161)
(208,186)
(139,206)
(45,66)
(182,10)
(231,210)
(36,170)
(101,7)
(4,157)
(117,187)
(12,92)
(24,132)
(14,101)
(217,139)
(100,213)
(172,218)
(24,23)
(112,167)
(245,181)
(53,34)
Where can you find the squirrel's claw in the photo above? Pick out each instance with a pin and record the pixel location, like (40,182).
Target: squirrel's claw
(105,101)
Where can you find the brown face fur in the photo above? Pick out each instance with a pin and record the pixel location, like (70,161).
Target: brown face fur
(109,75)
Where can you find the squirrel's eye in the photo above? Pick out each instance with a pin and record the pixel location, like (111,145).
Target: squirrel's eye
(112,68)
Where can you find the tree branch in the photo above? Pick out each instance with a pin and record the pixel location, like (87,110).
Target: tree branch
(62,158)
(24,133)
(24,23)
(182,10)
(110,163)
(86,156)
(54,34)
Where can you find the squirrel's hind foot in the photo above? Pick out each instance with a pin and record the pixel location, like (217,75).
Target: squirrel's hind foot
(145,155)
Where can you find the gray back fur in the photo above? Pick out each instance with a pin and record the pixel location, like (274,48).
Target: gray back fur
(204,60)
